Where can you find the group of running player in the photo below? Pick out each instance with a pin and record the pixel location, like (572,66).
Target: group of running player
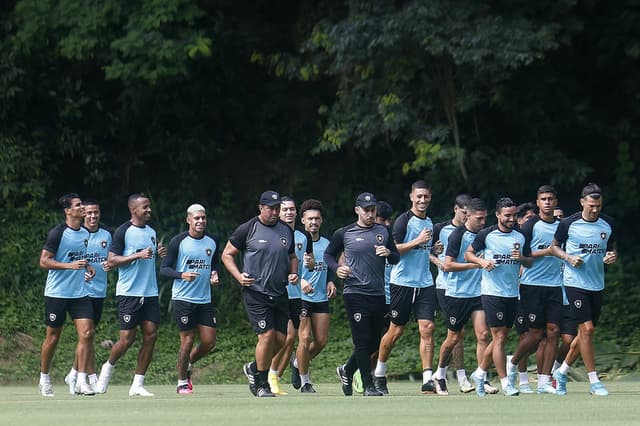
(537,270)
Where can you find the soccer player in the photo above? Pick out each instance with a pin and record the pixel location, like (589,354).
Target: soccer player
(193,261)
(288,214)
(133,252)
(558,213)
(441,232)
(317,288)
(366,245)
(588,239)
(501,253)
(525,212)
(540,291)
(269,262)
(97,252)
(412,288)
(64,256)
(462,297)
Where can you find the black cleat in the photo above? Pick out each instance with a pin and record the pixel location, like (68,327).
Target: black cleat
(296,382)
(307,388)
(371,391)
(246,369)
(347,382)
(380,383)
(429,387)
(264,392)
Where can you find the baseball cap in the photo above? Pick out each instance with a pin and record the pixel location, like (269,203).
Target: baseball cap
(366,199)
(270,198)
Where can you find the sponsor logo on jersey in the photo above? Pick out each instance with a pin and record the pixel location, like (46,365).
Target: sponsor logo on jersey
(359,239)
(357,316)
(184,319)
(263,241)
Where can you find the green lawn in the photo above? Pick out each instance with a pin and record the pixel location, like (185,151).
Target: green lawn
(233,405)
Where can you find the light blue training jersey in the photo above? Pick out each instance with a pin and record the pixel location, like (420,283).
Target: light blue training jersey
(319,277)
(137,278)
(441,232)
(97,252)
(462,284)
(496,246)
(293,290)
(547,270)
(67,246)
(413,268)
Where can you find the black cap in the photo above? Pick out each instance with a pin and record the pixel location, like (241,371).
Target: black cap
(270,198)
(384,210)
(366,199)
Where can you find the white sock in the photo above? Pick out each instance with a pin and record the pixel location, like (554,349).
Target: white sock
(138,381)
(564,368)
(593,377)
(44,378)
(461,375)
(305,378)
(295,362)
(511,367)
(107,367)
(184,382)
(82,377)
(273,372)
(504,382)
(556,364)
(189,366)
(524,378)
(441,373)
(427,374)
(381,369)
(93,378)
(480,374)
(543,379)
(73,373)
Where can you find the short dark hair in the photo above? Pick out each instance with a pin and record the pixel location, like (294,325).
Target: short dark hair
(65,200)
(420,184)
(310,204)
(90,202)
(547,188)
(135,197)
(462,200)
(287,198)
(475,204)
(503,203)
(592,190)
(384,210)
(524,208)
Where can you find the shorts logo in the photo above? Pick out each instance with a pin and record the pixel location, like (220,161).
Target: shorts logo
(357,316)
(380,238)
(519,319)
(452,320)
(394,314)
(283,240)
(304,313)
(262,324)
(499,315)
(578,303)
(299,246)
(103,244)
(126,318)
(52,317)
(184,320)
(603,235)
(209,251)
(214,321)
(532,317)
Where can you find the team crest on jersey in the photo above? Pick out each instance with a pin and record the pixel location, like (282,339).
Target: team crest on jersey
(283,240)
(126,318)
(52,317)
(357,316)
(262,324)
(532,317)
(304,313)
(153,240)
(380,238)
(578,303)
(603,235)
(499,315)
(103,244)
(394,313)
(208,251)
(299,246)
(516,246)
(184,320)
(452,320)
(519,319)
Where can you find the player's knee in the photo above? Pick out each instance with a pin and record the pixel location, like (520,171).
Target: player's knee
(321,342)
(553,331)
(587,331)
(150,336)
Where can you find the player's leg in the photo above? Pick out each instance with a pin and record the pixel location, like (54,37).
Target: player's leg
(305,337)
(400,311)
(85,330)
(187,337)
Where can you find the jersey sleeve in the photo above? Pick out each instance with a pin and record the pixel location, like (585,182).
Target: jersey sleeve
(437,228)
(167,268)
(455,242)
(53,238)
(238,238)
(333,250)
(562,232)
(400,227)
(479,243)
(117,245)
(527,231)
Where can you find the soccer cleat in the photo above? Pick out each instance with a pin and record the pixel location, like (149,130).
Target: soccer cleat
(264,392)
(296,382)
(561,380)
(490,389)
(512,372)
(184,390)
(274,384)
(103,379)
(189,383)
(510,391)
(71,382)
(83,388)
(441,386)
(307,388)
(347,382)
(428,388)
(372,391)
(380,383)
(480,389)
(465,386)
(357,382)
(525,388)
(46,389)
(139,391)
(598,389)
(548,388)
(246,369)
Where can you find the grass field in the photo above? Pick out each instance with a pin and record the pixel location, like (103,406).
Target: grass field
(234,405)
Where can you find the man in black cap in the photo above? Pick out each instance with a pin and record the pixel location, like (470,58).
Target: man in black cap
(269,263)
(366,245)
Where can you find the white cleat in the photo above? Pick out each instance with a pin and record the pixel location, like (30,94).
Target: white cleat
(46,389)
(85,389)
(103,380)
(139,391)
(71,382)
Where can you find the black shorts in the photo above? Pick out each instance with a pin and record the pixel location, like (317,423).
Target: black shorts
(98,303)
(310,308)
(568,325)
(520,323)
(406,300)
(542,305)
(295,307)
(442,304)
(56,308)
(459,310)
(133,310)
(500,311)
(586,305)
(190,315)
(266,312)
